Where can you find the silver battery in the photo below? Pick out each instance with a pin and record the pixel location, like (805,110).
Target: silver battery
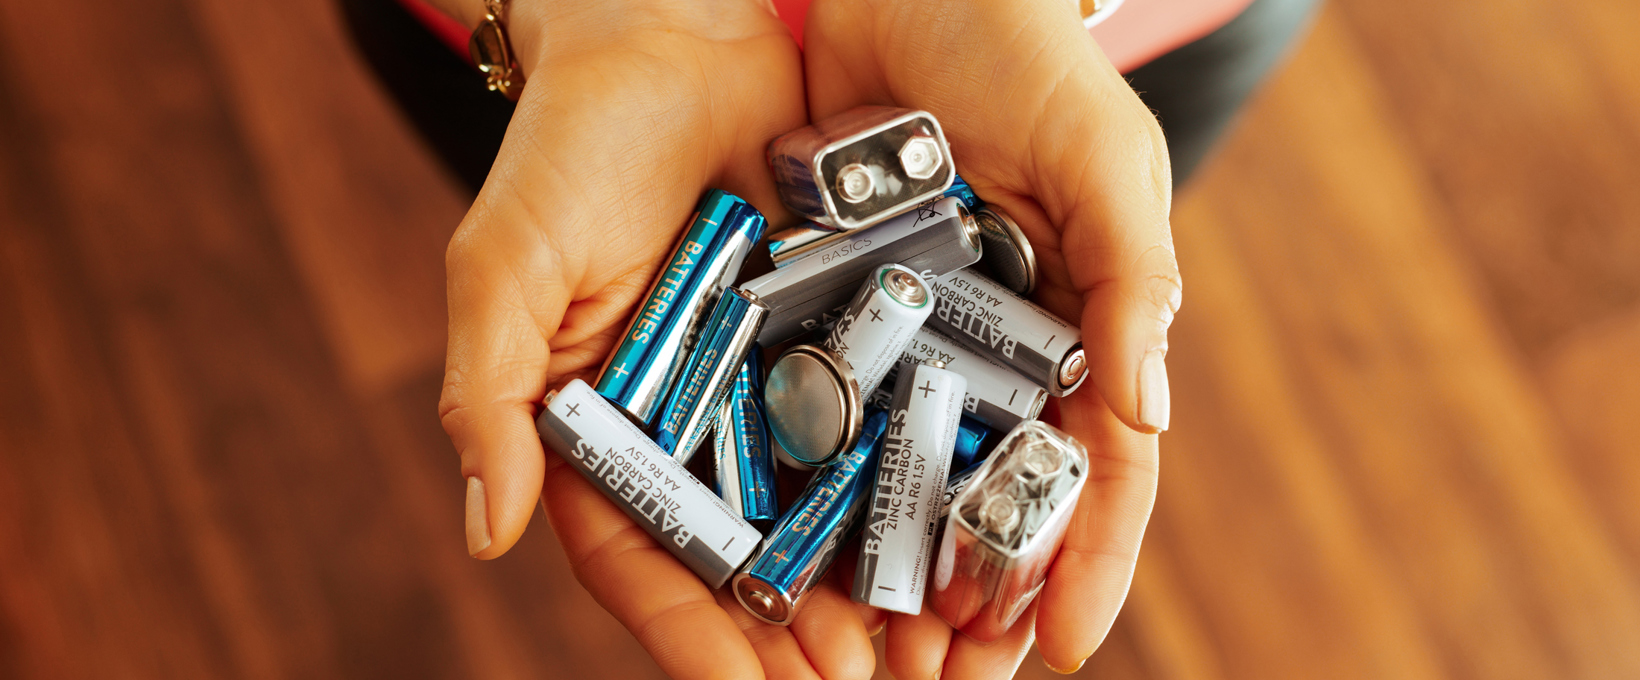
(997,322)
(997,397)
(897,542)
(1008,257)
(1005,528)
(861,166)
(674,508)
(805,387)
(933,240)
(727,338)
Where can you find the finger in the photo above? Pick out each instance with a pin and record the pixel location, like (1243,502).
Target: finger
(494,375)
(1089,579)
(999,659)
(916,645)
(777,649)
(832,634)
(665,606)
(1109,188)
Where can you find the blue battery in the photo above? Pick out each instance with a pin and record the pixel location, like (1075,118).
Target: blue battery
(726,339)
(974,443)
(652,352)
(962,192)
(797,553)
(744,460)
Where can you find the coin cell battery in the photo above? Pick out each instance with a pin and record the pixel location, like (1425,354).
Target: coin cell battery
(816,395)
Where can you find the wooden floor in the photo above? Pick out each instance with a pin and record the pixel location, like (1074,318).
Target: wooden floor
(1406,376)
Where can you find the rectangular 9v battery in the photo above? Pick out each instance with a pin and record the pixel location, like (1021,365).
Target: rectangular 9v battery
(997,322)
(861,166)
(897,542)
(933,240)
(674,508)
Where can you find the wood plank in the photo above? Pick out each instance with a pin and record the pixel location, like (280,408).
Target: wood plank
(1426,411)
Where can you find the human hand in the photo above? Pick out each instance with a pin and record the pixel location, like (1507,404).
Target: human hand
(631,111)
(1043,127)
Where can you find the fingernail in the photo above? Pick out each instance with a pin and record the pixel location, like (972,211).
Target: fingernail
(1154,400)
(478,519)
(1065,671)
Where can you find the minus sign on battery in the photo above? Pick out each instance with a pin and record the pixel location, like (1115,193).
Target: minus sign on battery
(726,545)
(1050,340)
(887,589)
(1012,396)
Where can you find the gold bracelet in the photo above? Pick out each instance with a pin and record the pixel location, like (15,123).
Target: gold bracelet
(492,52)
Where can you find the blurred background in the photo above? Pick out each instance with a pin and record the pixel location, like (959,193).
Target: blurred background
(1406,375)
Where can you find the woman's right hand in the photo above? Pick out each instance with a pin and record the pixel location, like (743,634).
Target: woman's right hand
(632,110)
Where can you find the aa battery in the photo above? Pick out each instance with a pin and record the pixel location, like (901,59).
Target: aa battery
(1005,528)
(727,338)
(1008,257)
(816,394)
(803,543)
(861,166)
(679,512)
(932,241)
(897,542)
(650,357)
(997,397)
(744,461)
(997,322)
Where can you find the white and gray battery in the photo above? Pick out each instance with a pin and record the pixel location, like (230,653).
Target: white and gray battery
(725,341)
(657,493)
(932,241)
(816,395)
(897,541)
(997,322)
(861,166)
(997,397)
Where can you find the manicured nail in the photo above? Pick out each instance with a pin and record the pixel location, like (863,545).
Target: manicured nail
(478,518)
(1154,400)
(1065,671)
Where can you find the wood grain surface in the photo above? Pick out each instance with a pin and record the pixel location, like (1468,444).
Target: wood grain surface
(1406,375)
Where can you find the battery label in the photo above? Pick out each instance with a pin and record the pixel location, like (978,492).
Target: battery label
(674,508)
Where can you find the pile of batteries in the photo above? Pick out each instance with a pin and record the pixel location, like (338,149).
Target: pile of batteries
(899,366)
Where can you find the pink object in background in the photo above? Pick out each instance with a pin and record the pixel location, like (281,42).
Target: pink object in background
(1137,33)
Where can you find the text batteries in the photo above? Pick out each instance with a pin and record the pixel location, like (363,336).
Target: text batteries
(1005,528)
(650,356)
(657,493)
(897,541)
(804,542)
(861,166)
